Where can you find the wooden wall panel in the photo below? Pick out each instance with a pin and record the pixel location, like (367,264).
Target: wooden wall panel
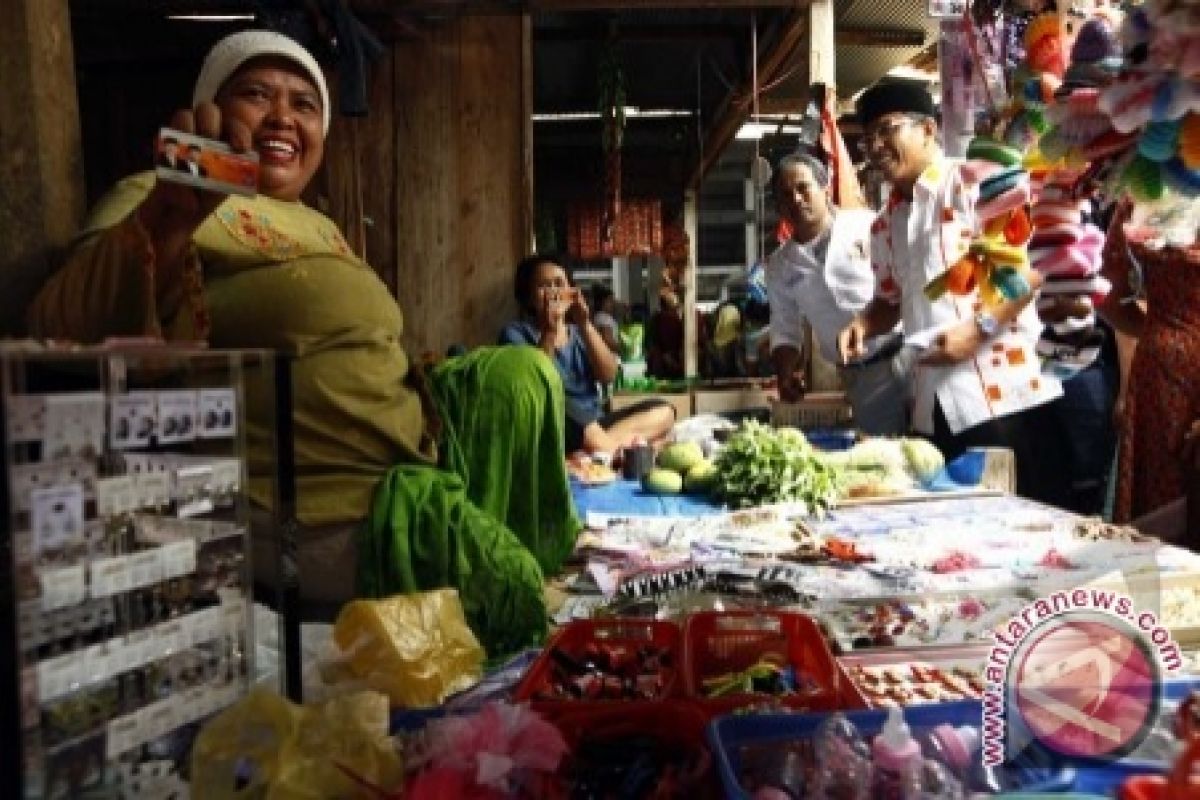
(355,186)
(462,217)
(41,162)
(428,280)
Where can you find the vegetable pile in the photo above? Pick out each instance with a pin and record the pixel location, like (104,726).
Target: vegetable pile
(761,465)
(880,467)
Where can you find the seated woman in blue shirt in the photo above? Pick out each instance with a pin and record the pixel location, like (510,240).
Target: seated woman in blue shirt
(555,317)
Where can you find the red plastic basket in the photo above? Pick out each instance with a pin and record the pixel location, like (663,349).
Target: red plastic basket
(724,643)
(575,640)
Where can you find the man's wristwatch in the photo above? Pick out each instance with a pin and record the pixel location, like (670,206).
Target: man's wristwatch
(988,325)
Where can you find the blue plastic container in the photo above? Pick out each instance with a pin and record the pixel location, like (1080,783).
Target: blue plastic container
(729,734)
(830,439)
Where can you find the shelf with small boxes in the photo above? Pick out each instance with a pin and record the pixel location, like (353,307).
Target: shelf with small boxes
(128,588)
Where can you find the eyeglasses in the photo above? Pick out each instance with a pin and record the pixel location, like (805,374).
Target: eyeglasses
(885,132)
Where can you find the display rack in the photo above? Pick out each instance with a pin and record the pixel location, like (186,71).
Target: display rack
(127,594)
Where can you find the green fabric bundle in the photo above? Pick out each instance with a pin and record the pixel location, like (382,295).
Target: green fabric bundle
(498,516)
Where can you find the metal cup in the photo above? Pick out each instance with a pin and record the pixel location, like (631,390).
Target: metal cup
(639,460)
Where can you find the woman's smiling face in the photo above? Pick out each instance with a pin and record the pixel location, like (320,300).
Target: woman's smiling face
(277,101)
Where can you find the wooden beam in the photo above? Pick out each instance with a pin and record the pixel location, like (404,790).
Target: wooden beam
(644,5)
(666,32)
(822,49)
(927,59)
(782,104)
(793,35)
(881,37)
(41,169)
(453,7)
(691,336)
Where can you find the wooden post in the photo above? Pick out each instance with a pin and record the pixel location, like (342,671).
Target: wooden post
(690,334)
(41,166)
(750,204)
(822,68)
(821,43)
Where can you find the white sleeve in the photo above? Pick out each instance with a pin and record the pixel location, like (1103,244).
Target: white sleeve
(787,322)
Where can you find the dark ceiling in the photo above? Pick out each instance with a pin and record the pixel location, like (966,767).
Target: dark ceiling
(693,58)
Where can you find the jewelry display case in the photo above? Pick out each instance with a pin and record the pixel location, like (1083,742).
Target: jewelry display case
(127,594)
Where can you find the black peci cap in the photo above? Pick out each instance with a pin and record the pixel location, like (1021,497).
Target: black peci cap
(888,98)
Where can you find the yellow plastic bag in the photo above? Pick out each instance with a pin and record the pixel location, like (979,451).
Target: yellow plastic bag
(282,751)
(415,648)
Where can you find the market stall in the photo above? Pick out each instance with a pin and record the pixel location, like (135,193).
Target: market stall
(774,608)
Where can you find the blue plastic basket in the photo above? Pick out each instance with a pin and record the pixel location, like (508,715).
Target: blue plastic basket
(831,439)
(729,734)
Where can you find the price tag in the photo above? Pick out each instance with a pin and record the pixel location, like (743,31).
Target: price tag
(206,625)
(218,413)
(63,587)
(132,420)
(172,638)
(225,696)
(110,576)
(26,418)
(178,558)
(58,676)
(176,416)
(140,649)
(115,496)
(124,734)
(194,490)
(159,719)
(74,425)
(96,664)
(193,705)
(947,9)
(233,615)
(227,476)
(153,489)
(56,516)
(146,568)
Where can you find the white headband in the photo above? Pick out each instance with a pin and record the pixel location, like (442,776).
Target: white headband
(228,55)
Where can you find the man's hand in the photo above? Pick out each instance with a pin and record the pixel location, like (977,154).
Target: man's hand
(852,341)
(955,345)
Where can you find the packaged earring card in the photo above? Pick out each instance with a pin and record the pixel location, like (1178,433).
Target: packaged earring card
(125,583)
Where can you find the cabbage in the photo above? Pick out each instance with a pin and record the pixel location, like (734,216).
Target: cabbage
(925,461)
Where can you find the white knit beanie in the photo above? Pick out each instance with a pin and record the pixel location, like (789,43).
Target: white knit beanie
(228,55)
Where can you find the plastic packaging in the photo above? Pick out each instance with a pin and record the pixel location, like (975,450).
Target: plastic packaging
(897,757)
(416,648)
(953,747)
(845,762)
(267,747)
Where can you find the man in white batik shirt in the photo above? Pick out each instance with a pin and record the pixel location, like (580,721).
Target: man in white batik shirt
(822,275)
(978,382)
